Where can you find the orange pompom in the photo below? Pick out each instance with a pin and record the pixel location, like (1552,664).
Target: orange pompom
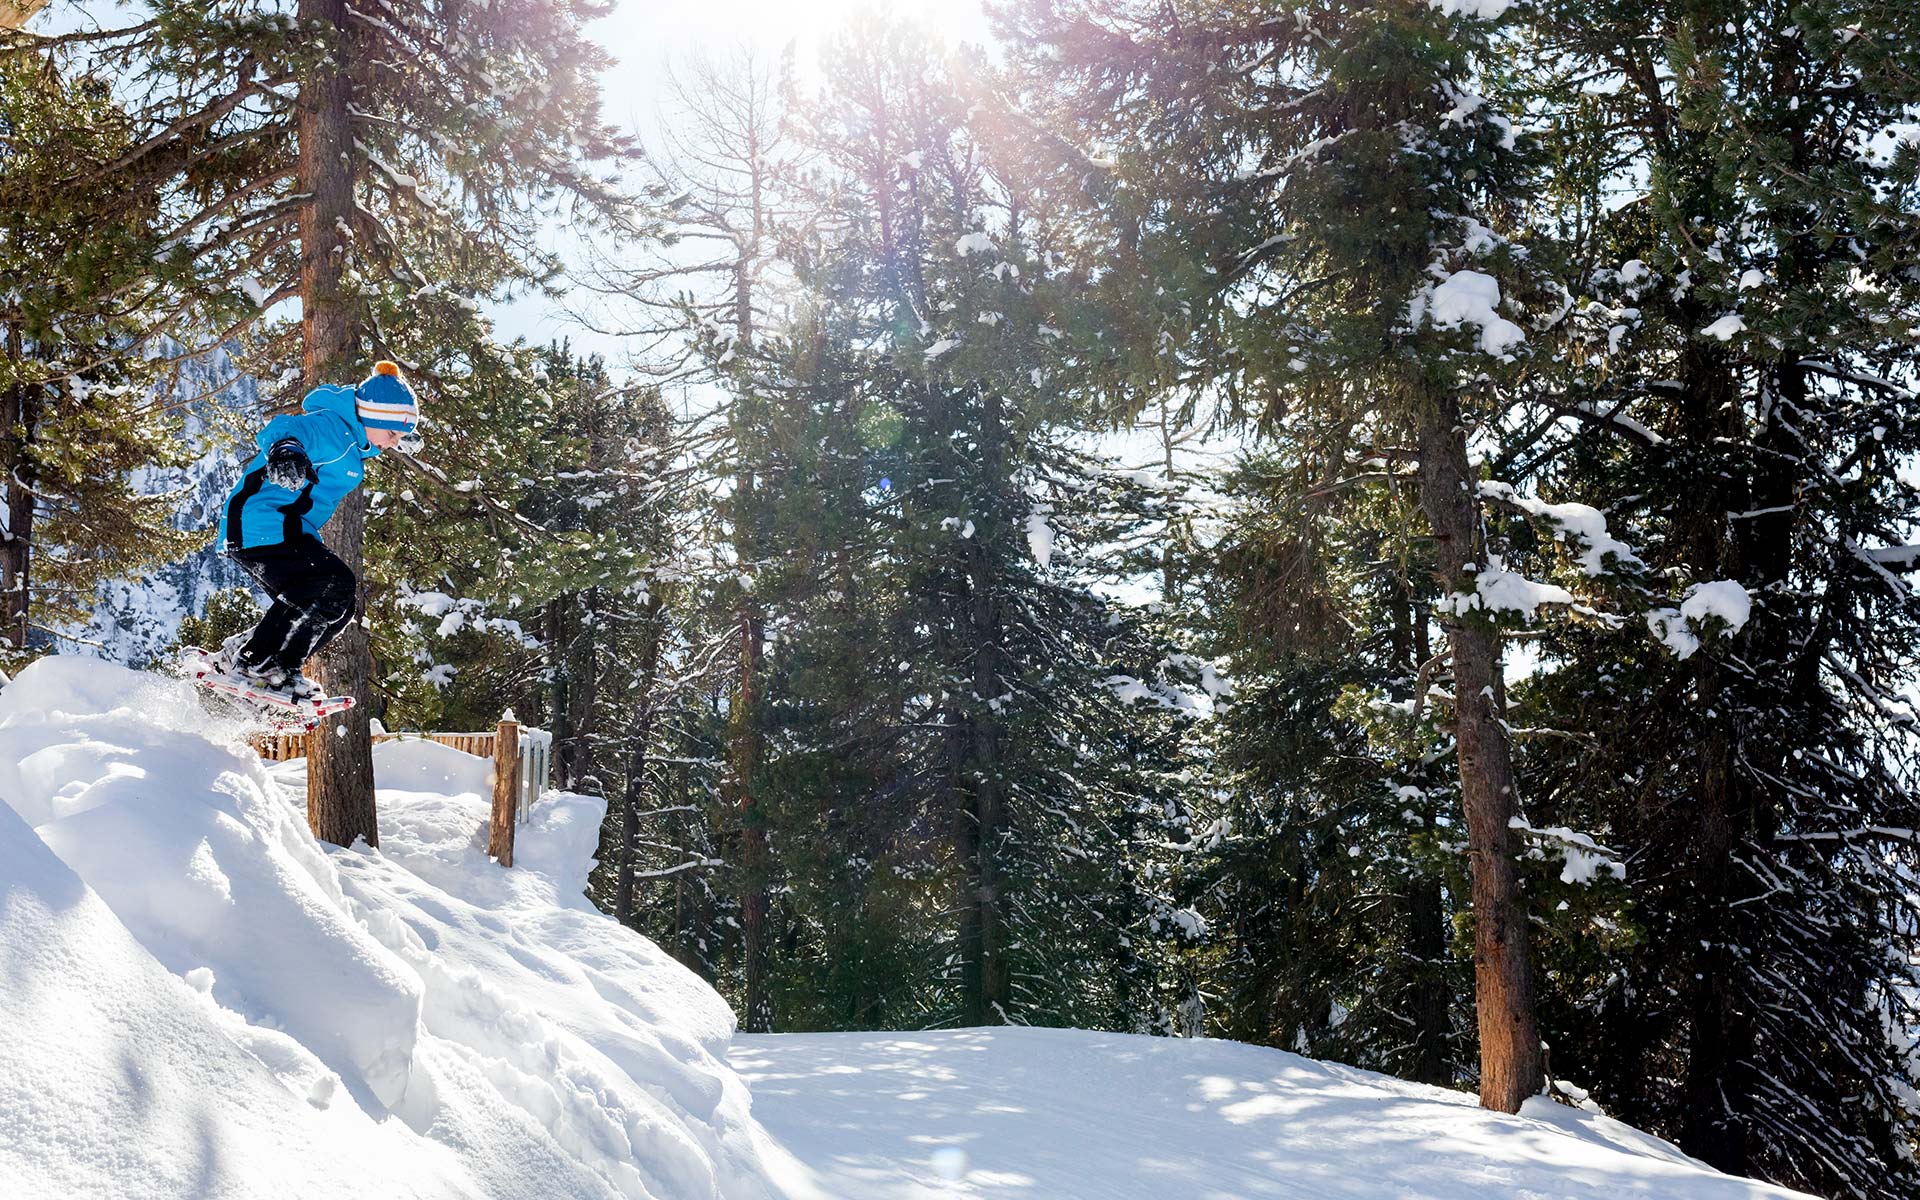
(383,367)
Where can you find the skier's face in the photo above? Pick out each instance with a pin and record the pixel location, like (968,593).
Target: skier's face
(384,439)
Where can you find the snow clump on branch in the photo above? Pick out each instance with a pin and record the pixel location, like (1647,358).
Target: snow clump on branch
(1469,298)
(1721,601)
(1582,523)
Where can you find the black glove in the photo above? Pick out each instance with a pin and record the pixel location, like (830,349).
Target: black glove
(288,465)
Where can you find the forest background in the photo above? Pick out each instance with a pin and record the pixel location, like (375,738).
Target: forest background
(1381,530)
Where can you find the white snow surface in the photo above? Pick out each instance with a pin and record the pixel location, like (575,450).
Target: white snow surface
(1724,329)
(1585,524)
(1054,1114)
(1496,589)
(1724,599)
(203,1001)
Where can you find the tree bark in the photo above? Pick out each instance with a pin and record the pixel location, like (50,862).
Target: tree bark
(986,980)
(17,421)
(756,855)
(340,801)
(1510,1061)
(639,738)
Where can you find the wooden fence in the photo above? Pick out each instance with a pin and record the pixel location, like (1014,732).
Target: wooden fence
(522,762)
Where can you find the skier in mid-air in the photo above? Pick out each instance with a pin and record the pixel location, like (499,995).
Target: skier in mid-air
(307,462)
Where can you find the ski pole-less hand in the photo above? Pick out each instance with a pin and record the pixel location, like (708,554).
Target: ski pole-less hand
(288,465)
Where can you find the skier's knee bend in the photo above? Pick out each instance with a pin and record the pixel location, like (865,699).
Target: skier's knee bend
(334,596)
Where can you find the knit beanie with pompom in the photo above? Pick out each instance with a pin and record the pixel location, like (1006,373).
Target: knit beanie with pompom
(384,401)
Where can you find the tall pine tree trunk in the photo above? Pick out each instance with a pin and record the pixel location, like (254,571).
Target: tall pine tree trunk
(17,419)
(1510,1063)
(586,696)
(756,861)
(1732,809)
(639,738)
(986,978)
(340,804)
(1427,999)
(756,858)
(560,690)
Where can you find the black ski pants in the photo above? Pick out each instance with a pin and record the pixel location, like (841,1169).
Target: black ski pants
(313,597)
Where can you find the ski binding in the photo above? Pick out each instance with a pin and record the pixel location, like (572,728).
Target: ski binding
(308,713)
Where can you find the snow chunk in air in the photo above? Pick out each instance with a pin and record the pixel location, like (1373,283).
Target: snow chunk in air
(1040,535)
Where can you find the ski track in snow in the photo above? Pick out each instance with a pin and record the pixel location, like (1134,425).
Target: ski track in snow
(1051,1114)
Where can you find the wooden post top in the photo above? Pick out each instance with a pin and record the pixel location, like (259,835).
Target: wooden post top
(506,789)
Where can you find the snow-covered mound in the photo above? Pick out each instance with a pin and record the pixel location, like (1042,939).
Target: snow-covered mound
(197,1000)
(202,1001)
(1055,1114)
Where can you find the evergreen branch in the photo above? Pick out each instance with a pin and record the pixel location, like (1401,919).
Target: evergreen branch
(169,136)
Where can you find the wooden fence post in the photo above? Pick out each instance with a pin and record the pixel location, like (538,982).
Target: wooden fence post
(506,788)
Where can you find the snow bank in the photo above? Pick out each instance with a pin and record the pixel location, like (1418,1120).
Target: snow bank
(209,1003)
(203,1002)
(1023,1114)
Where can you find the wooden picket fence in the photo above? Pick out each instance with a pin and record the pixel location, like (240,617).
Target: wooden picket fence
(522,764)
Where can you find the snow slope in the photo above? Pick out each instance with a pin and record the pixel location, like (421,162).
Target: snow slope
(197,1000)
(1050,1114)
(202,1001)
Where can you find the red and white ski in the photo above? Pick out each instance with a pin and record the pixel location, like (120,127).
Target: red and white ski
(275,706)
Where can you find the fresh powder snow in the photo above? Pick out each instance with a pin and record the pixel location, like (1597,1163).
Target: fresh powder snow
(1060,1114)
(203,1001)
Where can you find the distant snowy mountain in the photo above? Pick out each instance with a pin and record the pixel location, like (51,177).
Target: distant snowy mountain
(135,617)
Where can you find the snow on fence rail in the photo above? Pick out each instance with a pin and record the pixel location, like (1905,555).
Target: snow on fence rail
(522,760)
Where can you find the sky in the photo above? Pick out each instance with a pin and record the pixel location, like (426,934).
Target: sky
(647,36)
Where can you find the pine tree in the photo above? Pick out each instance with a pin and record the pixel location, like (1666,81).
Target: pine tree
(1026,687)
(82,405)
(1317,195)
(347,132)
(698,307)
(1743,372)
(1330,871)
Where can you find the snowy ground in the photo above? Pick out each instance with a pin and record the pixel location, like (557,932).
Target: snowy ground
(1047,1114)
(200,1001)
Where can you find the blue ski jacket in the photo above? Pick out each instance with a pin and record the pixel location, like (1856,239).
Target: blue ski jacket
(259,512)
